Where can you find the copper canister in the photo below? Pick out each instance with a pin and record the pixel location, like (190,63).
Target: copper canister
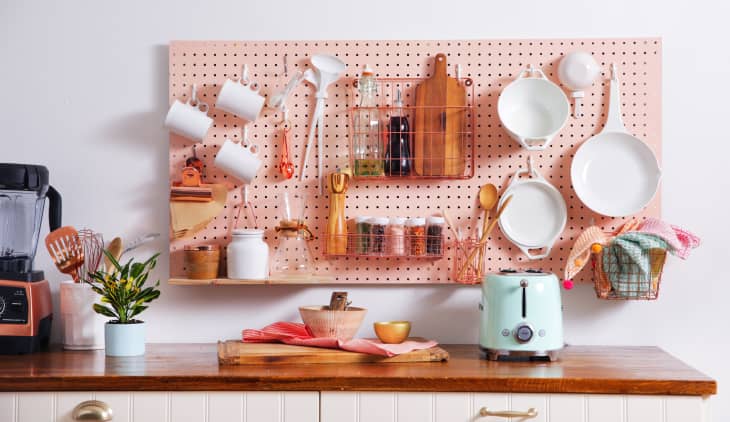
(202,261)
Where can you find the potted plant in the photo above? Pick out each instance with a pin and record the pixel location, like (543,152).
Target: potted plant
(124,295)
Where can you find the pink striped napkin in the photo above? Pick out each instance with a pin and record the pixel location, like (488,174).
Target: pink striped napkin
(297,334)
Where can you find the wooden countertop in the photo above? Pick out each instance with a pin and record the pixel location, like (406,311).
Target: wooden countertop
(194,367)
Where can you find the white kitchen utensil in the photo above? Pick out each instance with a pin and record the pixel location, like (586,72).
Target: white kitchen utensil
(577,71)
(238,160)
(327,70)
(278,100)
(241,98)
(614,173)
(532,109)
(189,119)
(536,216)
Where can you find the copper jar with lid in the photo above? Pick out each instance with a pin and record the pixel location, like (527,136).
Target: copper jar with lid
(202,261)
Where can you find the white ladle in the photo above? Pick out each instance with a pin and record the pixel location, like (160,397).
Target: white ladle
(327,70)
(577,71)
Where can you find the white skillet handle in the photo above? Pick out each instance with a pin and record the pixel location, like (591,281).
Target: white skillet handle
(526,251)
(613,121)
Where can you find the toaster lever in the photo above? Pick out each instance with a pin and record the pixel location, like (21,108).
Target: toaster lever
(524,284)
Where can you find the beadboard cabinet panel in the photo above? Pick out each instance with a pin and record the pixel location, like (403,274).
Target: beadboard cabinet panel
(465,407)
(313,406)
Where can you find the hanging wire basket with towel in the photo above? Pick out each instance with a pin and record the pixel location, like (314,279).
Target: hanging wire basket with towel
(628,264)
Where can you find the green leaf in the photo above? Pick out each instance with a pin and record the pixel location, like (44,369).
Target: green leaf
(103,310)
(113,260)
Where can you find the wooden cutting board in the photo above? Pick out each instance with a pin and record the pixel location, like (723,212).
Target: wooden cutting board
(438,146)
(235,352)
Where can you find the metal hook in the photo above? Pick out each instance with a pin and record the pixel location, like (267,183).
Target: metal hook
(458,71)
(286,68)
(614,72)
(195,155)
(530,169)
(194,95)
(244,74)
(244,136)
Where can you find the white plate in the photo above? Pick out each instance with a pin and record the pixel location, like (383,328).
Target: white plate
(615,174)
(535,217)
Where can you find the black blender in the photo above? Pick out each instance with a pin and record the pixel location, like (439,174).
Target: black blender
(26,310)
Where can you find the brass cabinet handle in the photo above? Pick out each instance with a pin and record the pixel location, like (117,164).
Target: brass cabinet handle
(531,413)
(92,410)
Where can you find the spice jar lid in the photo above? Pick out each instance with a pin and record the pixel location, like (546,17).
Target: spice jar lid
(380,221)
(398,221)
(247,232)
(416,221)
(362,218)
(202,247)
(435,220)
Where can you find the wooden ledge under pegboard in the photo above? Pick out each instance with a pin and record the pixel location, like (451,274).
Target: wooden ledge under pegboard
(491,64)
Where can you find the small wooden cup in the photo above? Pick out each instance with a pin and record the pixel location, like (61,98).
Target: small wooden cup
(202,262)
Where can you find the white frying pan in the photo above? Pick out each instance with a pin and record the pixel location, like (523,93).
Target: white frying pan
(614,173)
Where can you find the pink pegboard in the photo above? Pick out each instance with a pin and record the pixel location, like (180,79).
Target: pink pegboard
(490,63)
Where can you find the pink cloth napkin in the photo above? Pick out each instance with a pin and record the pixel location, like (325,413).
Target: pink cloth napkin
(297,334)
(681,241)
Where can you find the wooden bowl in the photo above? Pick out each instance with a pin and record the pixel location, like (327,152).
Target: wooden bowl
(342,325)
(392,332)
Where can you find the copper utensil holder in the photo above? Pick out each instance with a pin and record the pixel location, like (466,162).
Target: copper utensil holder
(474,268)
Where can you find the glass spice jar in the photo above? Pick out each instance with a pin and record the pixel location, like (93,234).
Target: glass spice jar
(416,227)
(434,235)
(396,236)
(377,235)
(362,237)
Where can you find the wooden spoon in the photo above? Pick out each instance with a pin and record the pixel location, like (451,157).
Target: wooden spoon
(115,249)
(485,235)
(488,198)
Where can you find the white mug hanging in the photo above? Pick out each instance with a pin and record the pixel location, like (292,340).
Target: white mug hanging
(238,159)
(241,98)
(189,119)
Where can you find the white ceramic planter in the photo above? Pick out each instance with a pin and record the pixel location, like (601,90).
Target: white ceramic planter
(124,339)
(83,329)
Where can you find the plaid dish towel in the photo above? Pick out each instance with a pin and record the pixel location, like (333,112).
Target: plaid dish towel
(627,262)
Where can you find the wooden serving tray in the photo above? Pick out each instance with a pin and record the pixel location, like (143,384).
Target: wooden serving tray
(235,352)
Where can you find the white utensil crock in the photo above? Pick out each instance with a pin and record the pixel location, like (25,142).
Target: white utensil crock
(83,329)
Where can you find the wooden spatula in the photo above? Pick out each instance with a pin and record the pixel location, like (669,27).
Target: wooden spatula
(439,124)
(66,250)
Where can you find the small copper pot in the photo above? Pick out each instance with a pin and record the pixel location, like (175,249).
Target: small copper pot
(202,262)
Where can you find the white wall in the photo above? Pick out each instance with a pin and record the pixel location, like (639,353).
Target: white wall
(84,91)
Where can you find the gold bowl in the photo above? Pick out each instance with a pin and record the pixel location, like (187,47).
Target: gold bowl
(392,332)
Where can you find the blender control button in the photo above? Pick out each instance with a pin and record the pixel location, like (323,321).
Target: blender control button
(541,333)
(505,332)
(523,333)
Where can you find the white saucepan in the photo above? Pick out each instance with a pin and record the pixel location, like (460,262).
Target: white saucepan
(535,217)
(614,173)
(533,110)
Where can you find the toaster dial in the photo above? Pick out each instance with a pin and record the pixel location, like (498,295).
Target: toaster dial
(524,333)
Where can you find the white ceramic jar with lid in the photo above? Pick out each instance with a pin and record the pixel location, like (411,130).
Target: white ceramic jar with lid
(248,255)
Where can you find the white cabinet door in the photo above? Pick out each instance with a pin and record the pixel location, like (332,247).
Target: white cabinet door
(166,407)
(465,407)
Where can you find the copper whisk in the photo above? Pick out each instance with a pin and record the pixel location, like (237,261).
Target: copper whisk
(93,246)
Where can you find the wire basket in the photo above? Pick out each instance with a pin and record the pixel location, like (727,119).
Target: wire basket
(399,140)
(384,246)
(620,276)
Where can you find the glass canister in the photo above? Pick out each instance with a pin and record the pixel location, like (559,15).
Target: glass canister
(396,235)
(248,255)
(434,235)
(378,226)
(416,228)
(292,257)
(362,237)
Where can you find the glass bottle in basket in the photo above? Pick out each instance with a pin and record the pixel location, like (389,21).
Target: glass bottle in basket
(367,145)
(292,257)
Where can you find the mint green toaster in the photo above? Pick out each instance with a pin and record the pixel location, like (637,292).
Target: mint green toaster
(522,316)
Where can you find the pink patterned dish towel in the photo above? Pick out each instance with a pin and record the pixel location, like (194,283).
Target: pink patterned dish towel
(296,333)
(680,241)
